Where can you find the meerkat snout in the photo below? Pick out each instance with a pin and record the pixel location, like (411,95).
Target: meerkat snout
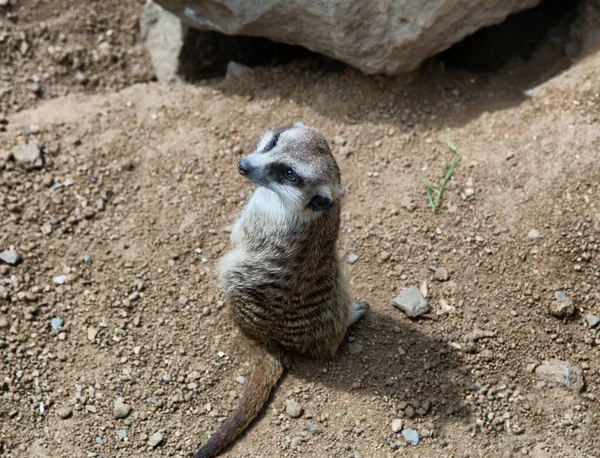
(295,162)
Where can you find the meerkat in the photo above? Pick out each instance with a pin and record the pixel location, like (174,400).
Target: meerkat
(283,281)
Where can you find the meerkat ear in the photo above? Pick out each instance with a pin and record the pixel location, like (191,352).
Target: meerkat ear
(320,202)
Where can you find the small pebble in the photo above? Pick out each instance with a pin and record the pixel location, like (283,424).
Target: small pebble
(11,257)
(408,203)
(121,434)
(297,441)
(56,323)
(293,409)
(155,439)
(59,279)
(120,409)
(533,234)
(592,320)
(338,140)
(563,305)
(397,425)
(64,412)
(81,78)
(411,302)
(441,274)
(561,373)
(91,334)
(411,436)
(313,429)
(27,154)
(355,348)
(241,380)
(384,256)
(352,258)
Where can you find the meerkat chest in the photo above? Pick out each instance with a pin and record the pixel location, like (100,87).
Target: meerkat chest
(265,213)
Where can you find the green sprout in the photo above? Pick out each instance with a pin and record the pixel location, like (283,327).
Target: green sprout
(434,196)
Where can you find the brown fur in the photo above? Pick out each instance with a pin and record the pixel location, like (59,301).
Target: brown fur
(267,370)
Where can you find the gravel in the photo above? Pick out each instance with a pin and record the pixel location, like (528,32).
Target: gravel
(144,355)
(352,258)
(397,424)
(411,302)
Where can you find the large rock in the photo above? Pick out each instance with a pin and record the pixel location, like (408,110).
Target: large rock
(163,35)
(375,36)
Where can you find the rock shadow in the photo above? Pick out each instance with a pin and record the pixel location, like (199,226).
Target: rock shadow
(420,377)
(494,69)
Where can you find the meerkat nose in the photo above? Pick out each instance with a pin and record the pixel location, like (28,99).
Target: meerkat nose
(243,167)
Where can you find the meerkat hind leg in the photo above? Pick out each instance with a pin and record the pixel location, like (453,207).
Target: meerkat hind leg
(357,311)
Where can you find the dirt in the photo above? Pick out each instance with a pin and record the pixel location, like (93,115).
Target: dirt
(122,217)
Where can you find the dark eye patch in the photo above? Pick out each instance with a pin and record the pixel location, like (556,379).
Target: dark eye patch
(278,172)
(272,143)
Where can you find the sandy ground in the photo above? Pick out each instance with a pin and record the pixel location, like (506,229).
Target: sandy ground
(120,222)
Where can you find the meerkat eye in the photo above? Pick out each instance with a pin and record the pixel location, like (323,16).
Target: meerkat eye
(291,175)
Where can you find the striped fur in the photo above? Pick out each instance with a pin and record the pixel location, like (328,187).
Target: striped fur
(283,281)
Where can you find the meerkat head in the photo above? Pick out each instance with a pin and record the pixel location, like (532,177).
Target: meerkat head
(296,163)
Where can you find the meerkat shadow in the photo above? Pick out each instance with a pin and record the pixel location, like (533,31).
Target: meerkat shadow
(415,373)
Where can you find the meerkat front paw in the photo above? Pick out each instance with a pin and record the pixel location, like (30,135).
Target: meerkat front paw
(357,311)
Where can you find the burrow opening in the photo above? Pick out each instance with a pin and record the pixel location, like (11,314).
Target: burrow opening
(206,54)
(516,39)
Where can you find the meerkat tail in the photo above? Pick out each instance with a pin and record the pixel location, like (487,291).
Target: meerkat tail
(265,374)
